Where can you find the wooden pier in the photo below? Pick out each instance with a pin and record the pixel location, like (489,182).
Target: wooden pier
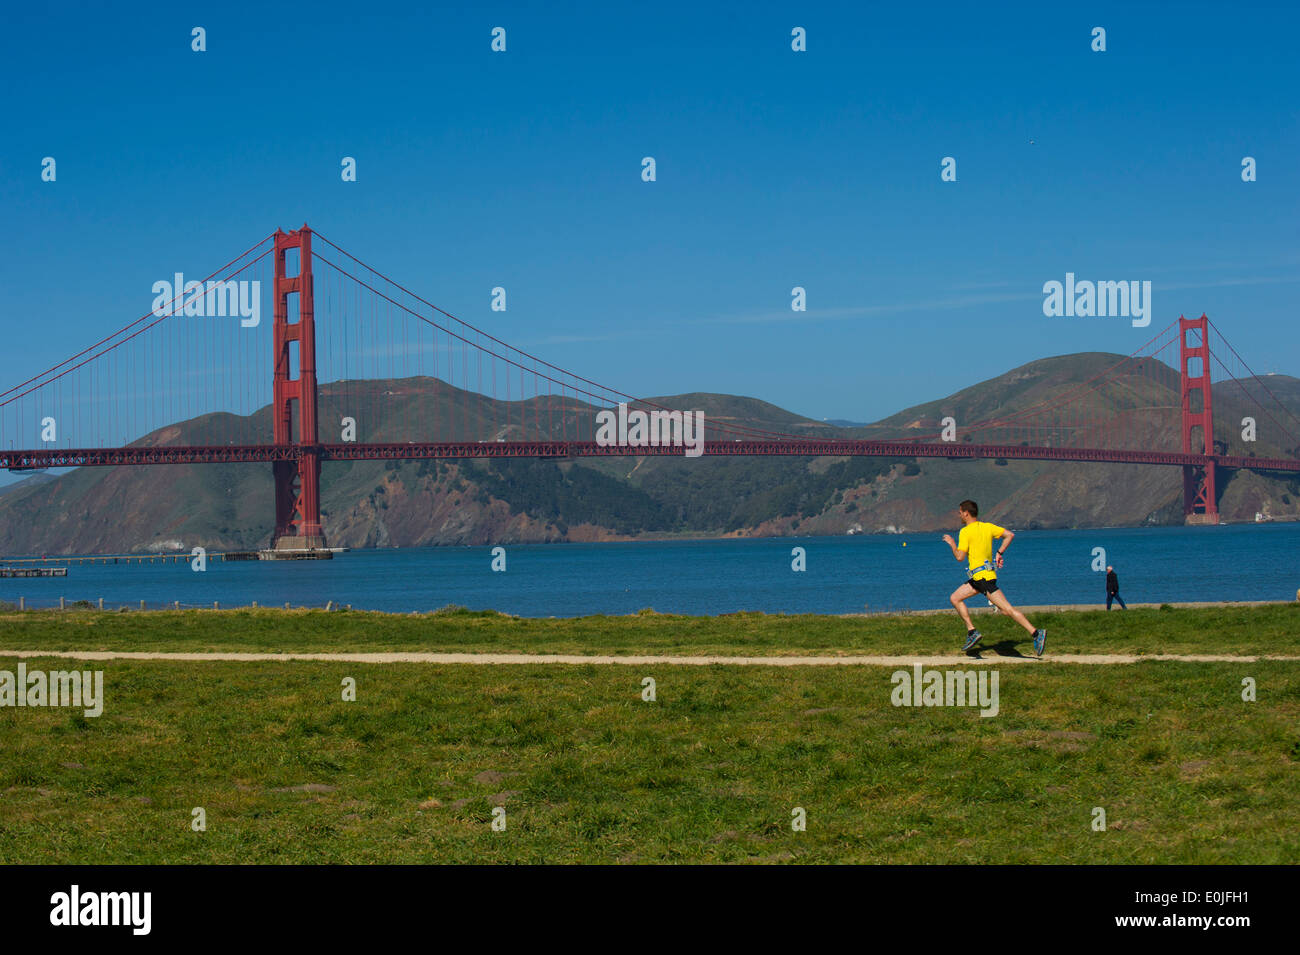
(8,563)
(107,559)
(33,571)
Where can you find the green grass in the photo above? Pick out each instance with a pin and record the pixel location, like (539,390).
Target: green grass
(1186,771)
(587,772)
(1241,630)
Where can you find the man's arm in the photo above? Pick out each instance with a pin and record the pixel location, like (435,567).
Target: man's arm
(958,554)
(1007,538)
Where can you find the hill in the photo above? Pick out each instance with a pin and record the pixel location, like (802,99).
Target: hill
(382,504)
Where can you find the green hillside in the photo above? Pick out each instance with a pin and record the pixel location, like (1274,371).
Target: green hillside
(481,501)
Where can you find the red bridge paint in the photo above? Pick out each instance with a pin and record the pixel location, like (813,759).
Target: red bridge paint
(297,478)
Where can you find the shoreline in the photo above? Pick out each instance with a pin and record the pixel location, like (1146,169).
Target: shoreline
(708,537)
(869,615)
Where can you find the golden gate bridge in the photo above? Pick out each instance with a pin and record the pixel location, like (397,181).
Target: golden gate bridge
(403,379)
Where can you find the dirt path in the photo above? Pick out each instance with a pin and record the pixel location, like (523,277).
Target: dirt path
(490,659)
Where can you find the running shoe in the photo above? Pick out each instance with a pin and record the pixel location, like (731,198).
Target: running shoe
(1040,641)
(971,640)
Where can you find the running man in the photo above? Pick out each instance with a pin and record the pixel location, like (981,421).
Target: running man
(975,544)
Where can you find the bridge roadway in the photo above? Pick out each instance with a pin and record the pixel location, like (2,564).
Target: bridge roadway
(25,460)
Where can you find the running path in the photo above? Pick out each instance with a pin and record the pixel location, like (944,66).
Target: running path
(490,659)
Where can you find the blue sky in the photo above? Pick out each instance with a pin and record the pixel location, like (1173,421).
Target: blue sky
(775,169)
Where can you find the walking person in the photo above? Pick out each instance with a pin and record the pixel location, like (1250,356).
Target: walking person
(975,545)
(1112,589)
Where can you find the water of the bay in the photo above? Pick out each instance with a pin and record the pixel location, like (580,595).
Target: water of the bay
(843,575)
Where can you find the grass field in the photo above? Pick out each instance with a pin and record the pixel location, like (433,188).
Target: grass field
(587,771)
(1271,629)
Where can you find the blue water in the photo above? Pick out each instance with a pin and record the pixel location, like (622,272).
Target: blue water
(844,574)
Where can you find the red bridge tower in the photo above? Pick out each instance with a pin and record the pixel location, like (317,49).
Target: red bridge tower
(1199,502)
(297,483)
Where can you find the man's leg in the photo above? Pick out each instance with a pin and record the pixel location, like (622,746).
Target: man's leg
(958,601)
(1109,600)
(1000,599)
(1122,604)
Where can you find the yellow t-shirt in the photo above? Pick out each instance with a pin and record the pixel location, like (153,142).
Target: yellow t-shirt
(976,539)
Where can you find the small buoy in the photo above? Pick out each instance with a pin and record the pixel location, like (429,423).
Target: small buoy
(904,543)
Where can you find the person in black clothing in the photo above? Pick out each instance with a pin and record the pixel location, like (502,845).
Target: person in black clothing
(1112,589)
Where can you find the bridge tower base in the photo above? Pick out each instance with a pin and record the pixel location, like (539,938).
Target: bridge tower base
(298,530)
(1200,503)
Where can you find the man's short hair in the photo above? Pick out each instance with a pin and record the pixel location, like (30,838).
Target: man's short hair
(970,507)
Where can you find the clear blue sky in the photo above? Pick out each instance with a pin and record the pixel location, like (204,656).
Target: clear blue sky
(775,169)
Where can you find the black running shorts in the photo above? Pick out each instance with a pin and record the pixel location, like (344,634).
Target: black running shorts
(984,586)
